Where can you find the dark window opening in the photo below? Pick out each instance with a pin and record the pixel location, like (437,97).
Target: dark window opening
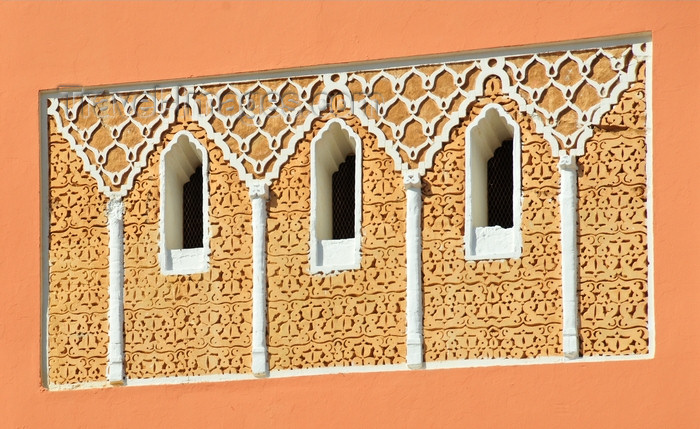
(344,199)
(500,186)
(192,215)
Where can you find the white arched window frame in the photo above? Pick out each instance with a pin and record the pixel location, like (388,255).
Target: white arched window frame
(483,136)
(331,146)
(178,162)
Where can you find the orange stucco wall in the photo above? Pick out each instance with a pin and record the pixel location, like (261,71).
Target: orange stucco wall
(44,45)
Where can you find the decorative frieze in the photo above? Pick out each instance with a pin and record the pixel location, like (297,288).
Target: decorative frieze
(416,295)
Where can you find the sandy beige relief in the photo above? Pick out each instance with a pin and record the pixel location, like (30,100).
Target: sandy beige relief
(195,324)
(78,269)
(613,252)
(507,308)
(354,317)
(184,325)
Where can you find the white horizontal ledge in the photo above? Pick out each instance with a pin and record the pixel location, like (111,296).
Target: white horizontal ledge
(185,261)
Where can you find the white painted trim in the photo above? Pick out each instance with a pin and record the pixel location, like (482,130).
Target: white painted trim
(389,145)
(347,252)
(259,196)
(115,352)
(490,128)
(359,369)
(647,54)
(138,152)
(568,204)
(490,63)
(414,270)
(184,261)
(45,218)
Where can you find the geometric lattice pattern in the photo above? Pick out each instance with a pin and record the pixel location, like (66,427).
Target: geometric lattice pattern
(590,103)
(411,110)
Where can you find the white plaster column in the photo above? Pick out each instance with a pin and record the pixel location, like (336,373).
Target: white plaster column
(258,196)
(115,351)
(568,202)
(414,268)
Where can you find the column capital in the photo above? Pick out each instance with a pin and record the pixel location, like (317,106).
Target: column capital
(411,179)
(567,162)
(259,189)
(115,207)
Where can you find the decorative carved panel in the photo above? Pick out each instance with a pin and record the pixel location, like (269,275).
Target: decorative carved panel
(79,270)
(183,325)
(102,145)
(492,309)
(354,317)
(613,252)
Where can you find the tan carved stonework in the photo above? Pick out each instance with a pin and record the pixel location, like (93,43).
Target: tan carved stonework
(588,103)
(195,324)
(614,256)
(492,309)
(79,273)
(412,110)
(352,318)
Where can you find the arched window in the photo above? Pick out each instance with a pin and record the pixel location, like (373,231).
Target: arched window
(336,204)
(493,207)
(184,206)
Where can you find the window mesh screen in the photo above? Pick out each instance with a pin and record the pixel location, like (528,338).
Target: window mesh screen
(500,186)
(344,199)
(192,211)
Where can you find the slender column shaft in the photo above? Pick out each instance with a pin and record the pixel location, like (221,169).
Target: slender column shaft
(259,196)
(115,351)
(568,202)
(414,267)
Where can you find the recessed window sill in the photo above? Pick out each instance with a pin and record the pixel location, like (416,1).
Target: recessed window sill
(185,261)
(492,242)
(336,255)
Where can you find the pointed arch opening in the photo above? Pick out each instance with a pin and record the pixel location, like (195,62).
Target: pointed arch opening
(493,186)
(336,198)
(184,214)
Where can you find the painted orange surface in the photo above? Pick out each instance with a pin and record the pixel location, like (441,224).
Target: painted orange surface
(47,44)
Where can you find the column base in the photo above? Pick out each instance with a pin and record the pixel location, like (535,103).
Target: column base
(260,368)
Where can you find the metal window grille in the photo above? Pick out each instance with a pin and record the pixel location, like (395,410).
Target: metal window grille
(344,199)
(192,211)
(500,186)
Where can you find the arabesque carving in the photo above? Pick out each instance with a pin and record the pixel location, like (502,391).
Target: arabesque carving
(614,258)
(589,104)
(197,324)
(354,317)
(79,271)
(492,309)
